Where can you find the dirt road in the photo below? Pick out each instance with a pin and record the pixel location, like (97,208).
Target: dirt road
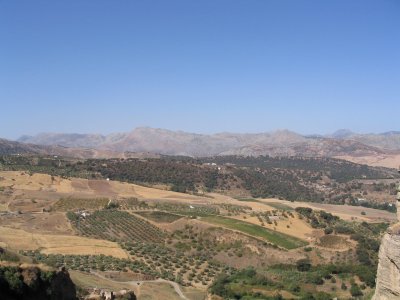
(176,286)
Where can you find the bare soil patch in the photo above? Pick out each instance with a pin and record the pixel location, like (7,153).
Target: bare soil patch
(335,242)
(17,239)
(101,187)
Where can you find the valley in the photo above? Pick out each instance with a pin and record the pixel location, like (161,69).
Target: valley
(129,236)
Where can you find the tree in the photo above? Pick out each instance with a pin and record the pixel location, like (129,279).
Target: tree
(355,290)
(303,265)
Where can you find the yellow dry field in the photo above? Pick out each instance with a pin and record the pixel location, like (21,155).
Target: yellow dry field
(346,212)
(143,291)
(41,223)
(384,160)
(256,206)
(17,239)
(133,190)
(297,228)
(157,290)
(22,181)
(86,280)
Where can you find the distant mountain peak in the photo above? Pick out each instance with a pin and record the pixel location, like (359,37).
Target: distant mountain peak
(342,133)
(278,142)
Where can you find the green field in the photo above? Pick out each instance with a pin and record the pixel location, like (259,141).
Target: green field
(278,205)
(159,216)
(247,199)
(277,238)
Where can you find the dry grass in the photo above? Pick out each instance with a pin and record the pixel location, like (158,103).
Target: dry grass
(157,290)
(41,223)
(384,160)
(86,280)
(74,187)
(17,239)
(297,228)
(144,290)
(346,212)
(335,242)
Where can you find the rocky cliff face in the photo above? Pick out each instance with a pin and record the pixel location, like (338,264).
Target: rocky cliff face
(388,277)
(27,282)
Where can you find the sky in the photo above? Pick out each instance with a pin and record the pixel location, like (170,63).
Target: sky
(97,66)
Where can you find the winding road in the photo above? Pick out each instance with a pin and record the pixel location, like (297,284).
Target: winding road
(176,286)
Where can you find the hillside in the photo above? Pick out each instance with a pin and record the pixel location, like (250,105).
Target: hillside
(387,140)
(323,180)
(278,143)
(166,245)
(18,148)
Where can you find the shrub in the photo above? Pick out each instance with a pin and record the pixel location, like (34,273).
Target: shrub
(355,290)
(303,265)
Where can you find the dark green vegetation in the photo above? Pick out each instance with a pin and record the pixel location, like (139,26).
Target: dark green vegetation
(159,216)
(339,170)
(305,280)
(292,178)
(367,235)
(183,265)
(302,284)
(115,226)
(33,283)
(280,206)
(274,237)
(6,255)
(67,204)
(85,263)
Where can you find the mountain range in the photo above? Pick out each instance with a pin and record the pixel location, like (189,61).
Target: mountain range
(167,142)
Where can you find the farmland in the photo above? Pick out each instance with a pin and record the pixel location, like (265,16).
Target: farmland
(159,216)
(17,239)
(116,225)
(275,238)
(67,204)
(147,233)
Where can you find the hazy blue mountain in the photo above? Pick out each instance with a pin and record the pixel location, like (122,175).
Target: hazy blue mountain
(281,142)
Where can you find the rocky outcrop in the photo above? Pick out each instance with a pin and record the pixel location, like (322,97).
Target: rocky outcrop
(388,277)
(19,282)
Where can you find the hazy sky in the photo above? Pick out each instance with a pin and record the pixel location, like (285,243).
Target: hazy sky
(202,66)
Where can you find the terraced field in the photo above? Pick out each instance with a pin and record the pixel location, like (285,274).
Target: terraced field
(115,226)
